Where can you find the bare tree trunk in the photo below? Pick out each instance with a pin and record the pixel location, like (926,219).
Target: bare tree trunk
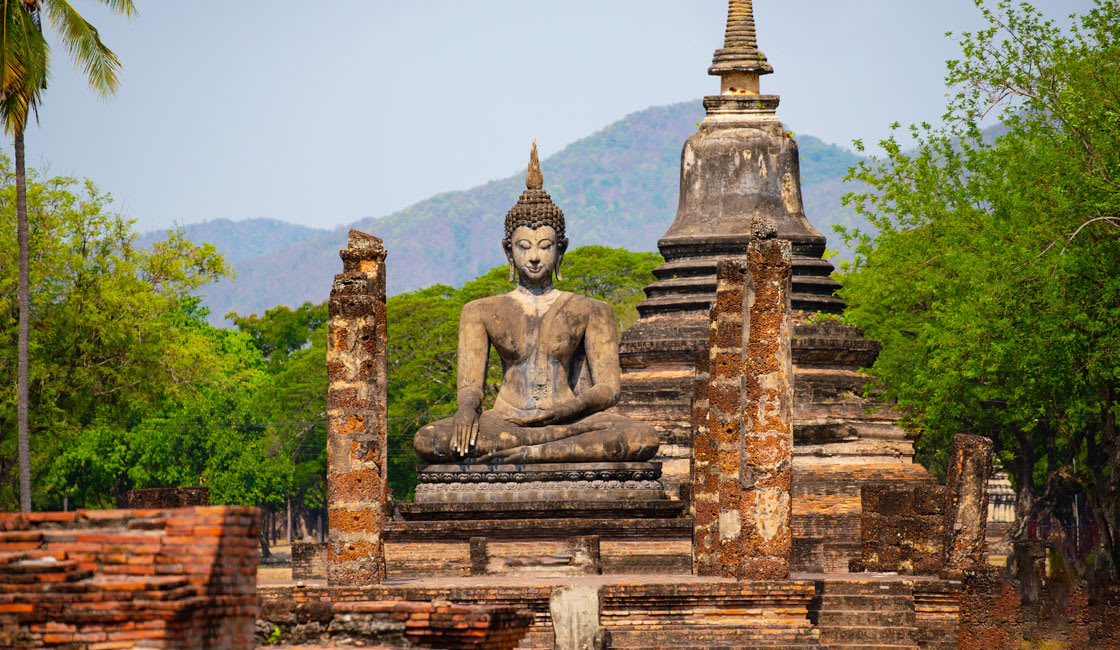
(22,382)
(1022,470)
(1109,519)
(289,521)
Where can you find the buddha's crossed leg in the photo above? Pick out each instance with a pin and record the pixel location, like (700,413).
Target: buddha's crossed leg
(600,437)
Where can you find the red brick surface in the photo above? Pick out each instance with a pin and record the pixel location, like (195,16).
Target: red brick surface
(636,613)
(176,578)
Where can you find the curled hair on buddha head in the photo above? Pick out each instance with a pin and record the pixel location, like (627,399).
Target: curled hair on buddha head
(534,209)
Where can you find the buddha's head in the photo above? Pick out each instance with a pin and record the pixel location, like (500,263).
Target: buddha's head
(535,243)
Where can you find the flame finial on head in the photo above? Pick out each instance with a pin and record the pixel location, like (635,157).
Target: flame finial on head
(534,180)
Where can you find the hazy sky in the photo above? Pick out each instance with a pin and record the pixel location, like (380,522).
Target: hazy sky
(327,112)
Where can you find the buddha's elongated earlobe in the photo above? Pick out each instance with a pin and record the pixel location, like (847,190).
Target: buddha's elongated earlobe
(560,258)
(512,273)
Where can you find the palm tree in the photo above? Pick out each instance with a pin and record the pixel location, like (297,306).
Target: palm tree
(24,63)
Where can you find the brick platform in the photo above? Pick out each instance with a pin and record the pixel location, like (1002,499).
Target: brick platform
(417,549)
(176,578)
(829,612)
(392,624)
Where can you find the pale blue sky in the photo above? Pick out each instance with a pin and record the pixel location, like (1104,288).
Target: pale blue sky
(323,113)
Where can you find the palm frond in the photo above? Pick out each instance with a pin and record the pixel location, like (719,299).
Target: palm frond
(24,62)
(122,7)
(84,44)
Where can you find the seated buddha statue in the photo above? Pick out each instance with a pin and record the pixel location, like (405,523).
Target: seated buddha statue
(559,354)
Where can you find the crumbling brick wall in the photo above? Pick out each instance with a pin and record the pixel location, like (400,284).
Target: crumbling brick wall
(902,528)
(176,578)
(183,497)
(309,560)
(393,624)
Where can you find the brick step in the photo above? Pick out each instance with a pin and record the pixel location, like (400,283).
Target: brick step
(861,602)
(863,634)
(873,646)
(865,617)
(318,647)
(691,639)
(857,587)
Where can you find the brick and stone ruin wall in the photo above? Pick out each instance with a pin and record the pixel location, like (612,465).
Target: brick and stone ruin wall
(177,578)
(183,497)
(927,528)
(186,578)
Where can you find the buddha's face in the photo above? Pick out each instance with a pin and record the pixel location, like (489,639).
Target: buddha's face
(535,253)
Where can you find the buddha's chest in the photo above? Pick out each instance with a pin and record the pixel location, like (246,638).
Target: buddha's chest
(525,337)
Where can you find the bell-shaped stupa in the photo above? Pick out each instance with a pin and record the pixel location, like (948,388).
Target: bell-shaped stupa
(742,164)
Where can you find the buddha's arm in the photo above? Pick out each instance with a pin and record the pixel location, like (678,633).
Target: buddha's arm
(474,348)
(601,344)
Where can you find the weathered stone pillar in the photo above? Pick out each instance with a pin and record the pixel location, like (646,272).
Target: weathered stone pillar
(767,443)
(970,465)
(745,458)
(575,618)
(725,408)
(357,488)
(705,479)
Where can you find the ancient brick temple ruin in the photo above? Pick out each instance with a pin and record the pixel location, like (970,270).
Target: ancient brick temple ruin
(739,165)
(782,510)
(774,477)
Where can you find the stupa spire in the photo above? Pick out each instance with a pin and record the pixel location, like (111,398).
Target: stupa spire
(739,62)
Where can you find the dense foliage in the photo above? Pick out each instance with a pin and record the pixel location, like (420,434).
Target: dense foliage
(994,280)
(130,387)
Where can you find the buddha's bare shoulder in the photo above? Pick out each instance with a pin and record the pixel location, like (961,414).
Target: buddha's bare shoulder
(592,306)
(480,307)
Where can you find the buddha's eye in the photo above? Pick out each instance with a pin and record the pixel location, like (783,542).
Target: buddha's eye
(545,245)
(525,245)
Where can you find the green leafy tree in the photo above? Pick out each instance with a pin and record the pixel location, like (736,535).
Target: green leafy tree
(994,279)
(208,435)
(24,65)
(291,404)
(282,331)
(117,337)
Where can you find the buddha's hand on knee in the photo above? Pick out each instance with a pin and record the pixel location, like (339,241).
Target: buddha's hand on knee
(464,431)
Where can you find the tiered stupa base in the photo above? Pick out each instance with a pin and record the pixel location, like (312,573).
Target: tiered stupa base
(742,164)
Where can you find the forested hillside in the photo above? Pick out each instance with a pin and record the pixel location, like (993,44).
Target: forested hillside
(618,187)
(241,240)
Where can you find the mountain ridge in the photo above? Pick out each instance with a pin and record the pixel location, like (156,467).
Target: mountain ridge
(618,187)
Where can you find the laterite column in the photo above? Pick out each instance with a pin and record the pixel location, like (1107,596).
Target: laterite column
(765,477)
(357,488)
(970,466)
(705,479)
(725,411)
